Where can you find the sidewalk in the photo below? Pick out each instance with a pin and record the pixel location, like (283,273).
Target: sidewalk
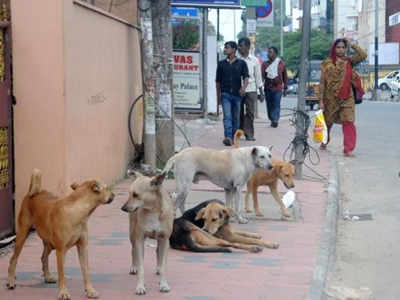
(284,274)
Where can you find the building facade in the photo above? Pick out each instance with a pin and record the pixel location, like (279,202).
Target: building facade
(76,71)
(393,21)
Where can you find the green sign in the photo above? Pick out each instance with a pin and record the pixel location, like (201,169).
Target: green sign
(248,3)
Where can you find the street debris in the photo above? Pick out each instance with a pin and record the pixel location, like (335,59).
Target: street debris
(289,198)
(345,293)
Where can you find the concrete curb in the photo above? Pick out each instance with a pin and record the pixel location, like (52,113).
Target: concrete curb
(326,255)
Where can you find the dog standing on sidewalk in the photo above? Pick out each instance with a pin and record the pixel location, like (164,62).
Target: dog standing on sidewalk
(282,170)
(229,169)
(61,223)
(151,215)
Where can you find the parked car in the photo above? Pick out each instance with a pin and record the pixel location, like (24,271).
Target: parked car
(395,86)
(384,83)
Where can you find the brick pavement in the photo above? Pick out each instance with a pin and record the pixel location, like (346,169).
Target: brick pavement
(284,274)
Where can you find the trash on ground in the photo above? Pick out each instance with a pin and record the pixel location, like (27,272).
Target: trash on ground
(288,198)
(345,293)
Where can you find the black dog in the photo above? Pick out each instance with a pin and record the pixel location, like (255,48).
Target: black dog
(188,235)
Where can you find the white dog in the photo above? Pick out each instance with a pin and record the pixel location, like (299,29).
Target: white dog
(230,169)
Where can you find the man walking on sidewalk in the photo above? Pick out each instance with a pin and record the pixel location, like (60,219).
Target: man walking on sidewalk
(249,101)
(231,71)
(275,82)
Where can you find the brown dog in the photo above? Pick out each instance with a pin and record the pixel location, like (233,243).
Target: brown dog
(151,215)
(188,236)
(61,223)
(214,219)
(281,170)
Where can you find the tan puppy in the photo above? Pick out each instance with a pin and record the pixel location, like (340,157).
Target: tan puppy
(214,219)
(151,215)
(61,223)
(281,170)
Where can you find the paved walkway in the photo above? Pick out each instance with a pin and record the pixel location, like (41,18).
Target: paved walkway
(284,274)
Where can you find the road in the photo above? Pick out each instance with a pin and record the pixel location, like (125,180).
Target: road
(367,250)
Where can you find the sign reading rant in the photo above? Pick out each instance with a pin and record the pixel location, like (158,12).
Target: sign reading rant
(186,80)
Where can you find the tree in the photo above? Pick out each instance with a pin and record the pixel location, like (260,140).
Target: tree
(319,47)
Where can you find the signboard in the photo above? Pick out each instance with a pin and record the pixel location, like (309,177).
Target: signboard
(249,3)
(394,19)
(207,3)
(251,26)
(265,15)
(388,54)
(184,12)
(186,80)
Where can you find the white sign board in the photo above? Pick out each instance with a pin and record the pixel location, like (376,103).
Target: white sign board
(388,54)
(251,26)
(186,80)
(211,72)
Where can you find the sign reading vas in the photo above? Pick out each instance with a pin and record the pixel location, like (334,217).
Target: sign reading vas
(186,80)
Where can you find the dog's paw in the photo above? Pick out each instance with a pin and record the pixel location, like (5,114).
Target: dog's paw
(92,293)
(256,249)
(64,295)
(164,287)
(257,236)
(140,289)
(50,279)
(286,214)
(133,271)
(11,284)
(275,246)
(243,220)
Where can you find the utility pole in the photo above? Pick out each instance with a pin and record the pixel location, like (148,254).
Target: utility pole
(162,70)
(149,139)
(375,95)
(304,66)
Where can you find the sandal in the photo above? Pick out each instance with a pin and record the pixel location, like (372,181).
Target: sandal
(348,154)
(323,146)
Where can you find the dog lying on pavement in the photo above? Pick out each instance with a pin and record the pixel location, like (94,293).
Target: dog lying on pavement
(61,223)
(151,215)
(230,169)
(187,236)
(213,217)
(281,170)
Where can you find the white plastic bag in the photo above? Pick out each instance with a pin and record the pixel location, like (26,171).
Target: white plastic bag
(320,130)
(288,198)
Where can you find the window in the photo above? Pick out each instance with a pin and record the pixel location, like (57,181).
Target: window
(123,9)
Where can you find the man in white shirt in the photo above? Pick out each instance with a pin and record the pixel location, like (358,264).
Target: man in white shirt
(249,100)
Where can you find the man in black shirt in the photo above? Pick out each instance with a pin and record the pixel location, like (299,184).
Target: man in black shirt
(231,72)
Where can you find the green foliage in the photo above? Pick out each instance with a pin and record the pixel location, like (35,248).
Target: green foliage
(185,35)
(319,45)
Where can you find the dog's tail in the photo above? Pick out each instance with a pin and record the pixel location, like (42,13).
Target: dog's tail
(170,163)
(36,183)
(238,134)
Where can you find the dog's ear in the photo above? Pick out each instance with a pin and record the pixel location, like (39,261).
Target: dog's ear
(270,148)
(229,212)
(254,151)
(96,187)
(158,179)
(200,214)
(74,186)
(133,174)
